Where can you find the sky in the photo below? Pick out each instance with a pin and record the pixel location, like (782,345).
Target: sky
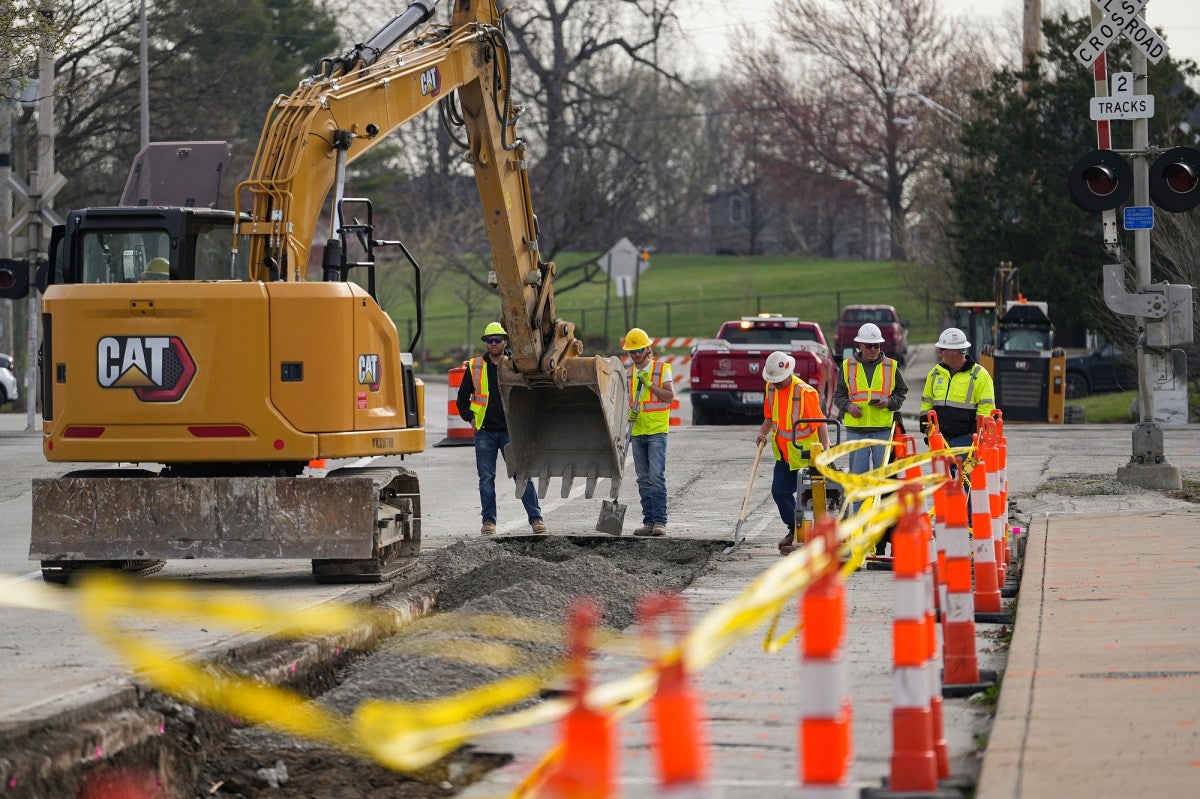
(715,21)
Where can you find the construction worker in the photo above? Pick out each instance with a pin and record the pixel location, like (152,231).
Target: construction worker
(651,392)
(869,392)
(157,269)
(479,402)
(958,389)
(788,399)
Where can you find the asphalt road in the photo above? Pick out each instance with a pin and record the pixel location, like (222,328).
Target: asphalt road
(51,662)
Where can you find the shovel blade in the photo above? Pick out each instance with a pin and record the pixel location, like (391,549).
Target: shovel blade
(612,517)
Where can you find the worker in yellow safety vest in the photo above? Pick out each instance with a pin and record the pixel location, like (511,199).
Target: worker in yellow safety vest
(787,400)
(869,392)
(958,388)
(480,404)
(651,392)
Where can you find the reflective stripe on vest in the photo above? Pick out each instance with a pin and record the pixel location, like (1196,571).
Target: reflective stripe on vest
(479,397)
(792,409)
(656,378)
(967,405)
(654,415)
(860,392)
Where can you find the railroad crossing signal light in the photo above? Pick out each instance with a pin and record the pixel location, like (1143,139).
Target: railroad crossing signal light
(1100,181)
(14,279)
(1175,180)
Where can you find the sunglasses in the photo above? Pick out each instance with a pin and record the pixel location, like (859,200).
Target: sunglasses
(494,340)
(870,346)
(638,351)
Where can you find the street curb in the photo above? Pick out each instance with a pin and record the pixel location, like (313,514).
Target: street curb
(122,721)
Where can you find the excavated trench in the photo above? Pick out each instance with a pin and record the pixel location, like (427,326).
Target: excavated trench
(529,580)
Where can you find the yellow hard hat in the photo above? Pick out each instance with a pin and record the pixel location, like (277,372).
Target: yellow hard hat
(635,339)
(158,266)
(493,329)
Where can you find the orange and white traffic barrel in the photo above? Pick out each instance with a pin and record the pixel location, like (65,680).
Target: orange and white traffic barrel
(458,432)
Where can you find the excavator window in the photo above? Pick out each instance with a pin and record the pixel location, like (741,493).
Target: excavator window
(114,256)
(214,261)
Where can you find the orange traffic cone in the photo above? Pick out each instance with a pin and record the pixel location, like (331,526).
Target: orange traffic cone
(987,590)
(914,764)
(826,739)
(675,712)
(588,743)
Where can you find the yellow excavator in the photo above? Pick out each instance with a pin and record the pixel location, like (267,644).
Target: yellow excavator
(189,338)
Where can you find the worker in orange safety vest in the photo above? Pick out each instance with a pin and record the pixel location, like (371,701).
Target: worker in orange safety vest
(787,400)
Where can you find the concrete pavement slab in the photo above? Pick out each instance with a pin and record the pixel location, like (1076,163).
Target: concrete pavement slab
(1101,697)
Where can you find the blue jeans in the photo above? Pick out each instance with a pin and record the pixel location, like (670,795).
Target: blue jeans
(783,491)
(866,459)
(961,441)
(650,463)
(489,444)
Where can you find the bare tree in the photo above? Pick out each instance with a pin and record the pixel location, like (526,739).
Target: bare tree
(865,68)
(578,59)
(214,68)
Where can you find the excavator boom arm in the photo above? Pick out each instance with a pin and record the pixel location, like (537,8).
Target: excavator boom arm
(554,400)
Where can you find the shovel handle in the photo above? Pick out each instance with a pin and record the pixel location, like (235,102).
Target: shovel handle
(753,474)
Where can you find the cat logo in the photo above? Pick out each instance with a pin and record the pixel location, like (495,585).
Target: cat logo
(431,82)
(157,368)
(369,371)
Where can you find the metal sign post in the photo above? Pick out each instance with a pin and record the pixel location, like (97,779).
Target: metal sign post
(1152,307)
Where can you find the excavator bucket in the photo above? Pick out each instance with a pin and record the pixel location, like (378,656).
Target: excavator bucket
(573,427)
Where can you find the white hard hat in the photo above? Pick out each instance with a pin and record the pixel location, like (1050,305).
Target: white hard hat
(778,366)
(952,339)
(869,334)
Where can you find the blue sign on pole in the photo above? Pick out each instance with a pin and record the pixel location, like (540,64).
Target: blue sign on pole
(1139,217)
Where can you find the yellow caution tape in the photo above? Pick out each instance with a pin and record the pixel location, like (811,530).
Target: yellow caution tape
(411,735)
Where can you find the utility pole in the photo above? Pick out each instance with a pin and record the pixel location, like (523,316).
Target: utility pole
(38,234)
(1031,31)
(144,79)
(7,143)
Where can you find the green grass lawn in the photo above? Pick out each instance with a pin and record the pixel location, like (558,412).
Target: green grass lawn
(1106,408)
(690,295)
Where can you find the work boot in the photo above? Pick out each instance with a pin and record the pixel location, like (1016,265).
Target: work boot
(489,528)
(538,526)
(786,544)
(659,529)
(644,530)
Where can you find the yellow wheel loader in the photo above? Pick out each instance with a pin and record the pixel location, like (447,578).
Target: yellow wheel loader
(189,338)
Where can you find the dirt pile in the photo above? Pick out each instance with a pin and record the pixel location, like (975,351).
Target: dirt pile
(501,605)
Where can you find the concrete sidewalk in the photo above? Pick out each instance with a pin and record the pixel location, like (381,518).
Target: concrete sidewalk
(1101,696)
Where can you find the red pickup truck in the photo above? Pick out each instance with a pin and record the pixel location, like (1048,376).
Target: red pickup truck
(893,329)
(727,382)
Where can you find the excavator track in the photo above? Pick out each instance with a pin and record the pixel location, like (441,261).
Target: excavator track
(60,572)
(355,525)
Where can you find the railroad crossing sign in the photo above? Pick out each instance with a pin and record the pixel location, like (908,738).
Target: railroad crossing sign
(37,204)
(1121,17)
(623,263)
(1123,103)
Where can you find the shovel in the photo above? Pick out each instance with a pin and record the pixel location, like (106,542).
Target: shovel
(612,512)
(737,531)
